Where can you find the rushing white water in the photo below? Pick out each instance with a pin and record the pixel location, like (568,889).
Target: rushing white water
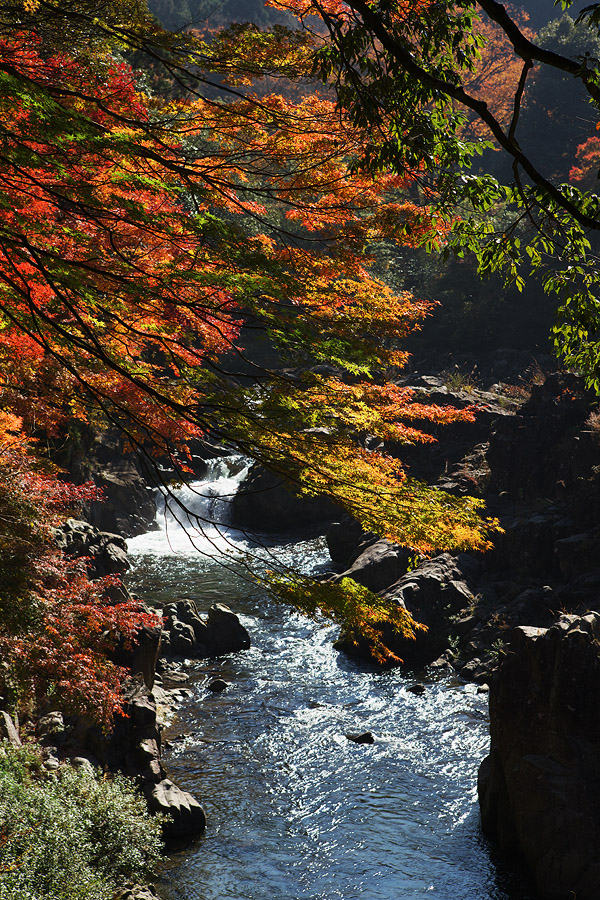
(194,519)
(295,810)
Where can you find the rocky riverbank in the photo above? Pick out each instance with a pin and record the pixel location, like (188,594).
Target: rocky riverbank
(533,459)
(496,619)
(152,692)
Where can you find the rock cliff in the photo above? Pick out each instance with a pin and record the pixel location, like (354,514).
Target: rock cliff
(539,788)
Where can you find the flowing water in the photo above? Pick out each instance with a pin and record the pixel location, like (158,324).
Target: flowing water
(295,810)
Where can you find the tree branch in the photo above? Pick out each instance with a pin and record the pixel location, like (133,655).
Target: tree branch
(458,93)
(531,52)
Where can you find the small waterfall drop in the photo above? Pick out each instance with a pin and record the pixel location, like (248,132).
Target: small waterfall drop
(195,518)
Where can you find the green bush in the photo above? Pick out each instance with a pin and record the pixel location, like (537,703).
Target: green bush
(70,836)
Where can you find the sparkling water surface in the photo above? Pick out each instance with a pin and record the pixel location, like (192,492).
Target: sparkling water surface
(295,810)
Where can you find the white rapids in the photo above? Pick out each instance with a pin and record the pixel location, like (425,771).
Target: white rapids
(194,519)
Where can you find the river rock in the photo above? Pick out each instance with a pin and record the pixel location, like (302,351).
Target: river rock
(182,638)
(224,631)
(190,635)
(266,502)
(538,789)
(134,746)
(479,669)
(183,815)
(364,737)
(217,685)
(444,663)
(433,592)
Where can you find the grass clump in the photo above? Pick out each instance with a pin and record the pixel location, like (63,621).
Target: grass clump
(70,836)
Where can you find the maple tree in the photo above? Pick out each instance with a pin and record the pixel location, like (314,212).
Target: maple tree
(587,164)
(141,239)
(57,628)
(406,72)
(496,73)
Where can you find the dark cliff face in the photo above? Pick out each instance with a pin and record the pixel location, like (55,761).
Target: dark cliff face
(539,789)
(125,478)
(266,503)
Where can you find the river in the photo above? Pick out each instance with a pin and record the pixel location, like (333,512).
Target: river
(295,810)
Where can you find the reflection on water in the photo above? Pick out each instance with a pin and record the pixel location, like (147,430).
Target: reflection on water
(295,810)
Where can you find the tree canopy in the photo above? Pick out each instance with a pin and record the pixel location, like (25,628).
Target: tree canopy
(407,72)
(144,234)
(141,236)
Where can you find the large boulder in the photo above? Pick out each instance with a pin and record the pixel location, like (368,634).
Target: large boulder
(266,502)
(539,789)
(224,632)
(105,553)
(434,592)
(183,817)
(187,634)
(378,565)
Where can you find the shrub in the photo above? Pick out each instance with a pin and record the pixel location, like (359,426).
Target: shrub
(70,836)
(57,628)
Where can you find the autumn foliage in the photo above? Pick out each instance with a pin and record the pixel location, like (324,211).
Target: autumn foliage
(57,628)
(142,239)
(585,171)
(496,73)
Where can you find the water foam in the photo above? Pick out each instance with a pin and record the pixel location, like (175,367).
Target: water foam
(194,519)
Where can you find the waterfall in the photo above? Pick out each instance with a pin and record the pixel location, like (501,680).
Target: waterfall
(195,517)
